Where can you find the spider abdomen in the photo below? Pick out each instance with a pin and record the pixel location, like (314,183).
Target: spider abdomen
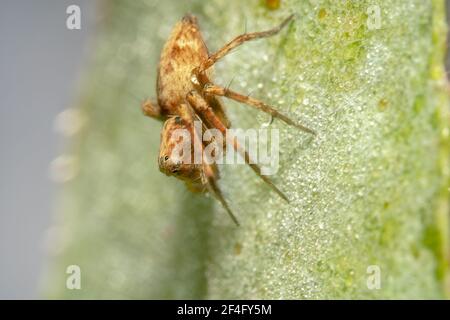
(183,51)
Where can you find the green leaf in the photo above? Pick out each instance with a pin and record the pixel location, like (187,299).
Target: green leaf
(371,189)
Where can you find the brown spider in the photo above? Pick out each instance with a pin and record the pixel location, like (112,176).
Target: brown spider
(186,94)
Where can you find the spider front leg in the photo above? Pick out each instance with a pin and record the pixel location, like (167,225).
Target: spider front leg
(205,111)
(208,172)
(211,89)
(209,179)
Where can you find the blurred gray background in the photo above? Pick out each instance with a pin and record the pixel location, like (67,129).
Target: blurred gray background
(40,65)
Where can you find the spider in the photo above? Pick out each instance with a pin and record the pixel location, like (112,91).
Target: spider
(186,93)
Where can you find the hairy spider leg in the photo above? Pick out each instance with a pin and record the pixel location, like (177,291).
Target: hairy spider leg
(211,89)
(209,172)
(202,108)
(213,58)
(209,179)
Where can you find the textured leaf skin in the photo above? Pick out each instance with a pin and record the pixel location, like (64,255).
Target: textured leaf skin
(370,189)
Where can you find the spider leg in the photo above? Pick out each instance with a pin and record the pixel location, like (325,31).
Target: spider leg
(208,171)
(209,180)
(202,108)
(238,41)
(151,110)
(211,89)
